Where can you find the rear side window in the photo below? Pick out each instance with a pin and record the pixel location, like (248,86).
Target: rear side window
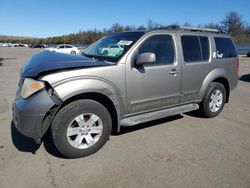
(195,48)
(224,48)
(205,48)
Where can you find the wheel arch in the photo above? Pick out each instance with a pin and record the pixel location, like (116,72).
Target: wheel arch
(217,75)
(102,99)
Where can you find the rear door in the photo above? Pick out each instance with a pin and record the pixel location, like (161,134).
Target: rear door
(196,64)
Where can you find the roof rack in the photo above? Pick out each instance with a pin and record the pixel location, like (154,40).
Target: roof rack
(189,28)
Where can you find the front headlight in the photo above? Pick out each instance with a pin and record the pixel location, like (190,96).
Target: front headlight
(30,87)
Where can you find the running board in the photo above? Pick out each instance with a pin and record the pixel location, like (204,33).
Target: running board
(150,116)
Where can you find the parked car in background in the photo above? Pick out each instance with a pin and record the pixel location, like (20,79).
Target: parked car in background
(248,54)
(112,50)
(23,45)
(4,44)
(38,45)
(64,48)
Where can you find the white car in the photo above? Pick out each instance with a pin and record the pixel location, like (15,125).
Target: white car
(112,50)
(4,44)
(64,48)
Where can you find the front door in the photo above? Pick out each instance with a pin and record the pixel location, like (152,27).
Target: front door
(155,85)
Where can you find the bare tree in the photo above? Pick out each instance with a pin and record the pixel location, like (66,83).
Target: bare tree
(213,26)
(152,25)
(232,23)
(129,28)
(141,27)
(117,27)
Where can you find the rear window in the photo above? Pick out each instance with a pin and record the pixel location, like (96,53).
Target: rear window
(195,48)
(224,48)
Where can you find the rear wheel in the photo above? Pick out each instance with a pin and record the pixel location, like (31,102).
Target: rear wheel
(213,101)
(81,128)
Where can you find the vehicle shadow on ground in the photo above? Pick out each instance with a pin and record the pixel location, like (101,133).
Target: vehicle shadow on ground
(25,144)
(50,147)
(195,114)
(245,78)
(21,142)
(125,130)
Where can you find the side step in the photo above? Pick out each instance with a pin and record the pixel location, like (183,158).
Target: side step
(150,116)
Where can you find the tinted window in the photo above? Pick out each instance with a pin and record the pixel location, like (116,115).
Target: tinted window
(224,47)
(191,48)
(195,48)
(61,46)
(69,47)
(204,48)
(162,46)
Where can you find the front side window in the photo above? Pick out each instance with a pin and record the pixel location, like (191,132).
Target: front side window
(195,48)
(224,48)
(162,46)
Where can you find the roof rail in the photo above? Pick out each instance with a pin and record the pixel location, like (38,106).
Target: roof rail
(190,28)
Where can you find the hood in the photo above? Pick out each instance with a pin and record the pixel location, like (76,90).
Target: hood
(47,61)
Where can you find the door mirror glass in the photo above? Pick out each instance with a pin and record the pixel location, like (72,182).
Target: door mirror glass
(146,58)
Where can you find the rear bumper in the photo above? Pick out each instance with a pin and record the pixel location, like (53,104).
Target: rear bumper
(234,82)
(29,114)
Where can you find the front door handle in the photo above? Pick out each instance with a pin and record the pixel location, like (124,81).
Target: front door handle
(174,72)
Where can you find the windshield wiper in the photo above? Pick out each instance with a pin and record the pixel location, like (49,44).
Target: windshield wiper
(102,58)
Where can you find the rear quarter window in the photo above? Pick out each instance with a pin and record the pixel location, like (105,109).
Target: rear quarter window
(224,48)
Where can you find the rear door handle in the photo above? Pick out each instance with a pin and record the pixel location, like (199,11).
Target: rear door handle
(174,72)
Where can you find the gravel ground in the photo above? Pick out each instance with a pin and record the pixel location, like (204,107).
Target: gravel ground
(181,151)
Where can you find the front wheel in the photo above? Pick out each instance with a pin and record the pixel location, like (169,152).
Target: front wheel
(81,128)
(73,52)
(213,101)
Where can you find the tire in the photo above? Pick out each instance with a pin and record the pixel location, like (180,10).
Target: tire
(73,52)
(212,104)
(76,118)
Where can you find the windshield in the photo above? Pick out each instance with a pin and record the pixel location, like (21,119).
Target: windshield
(112,47)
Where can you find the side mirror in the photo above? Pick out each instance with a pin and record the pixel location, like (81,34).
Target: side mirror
(145,58)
